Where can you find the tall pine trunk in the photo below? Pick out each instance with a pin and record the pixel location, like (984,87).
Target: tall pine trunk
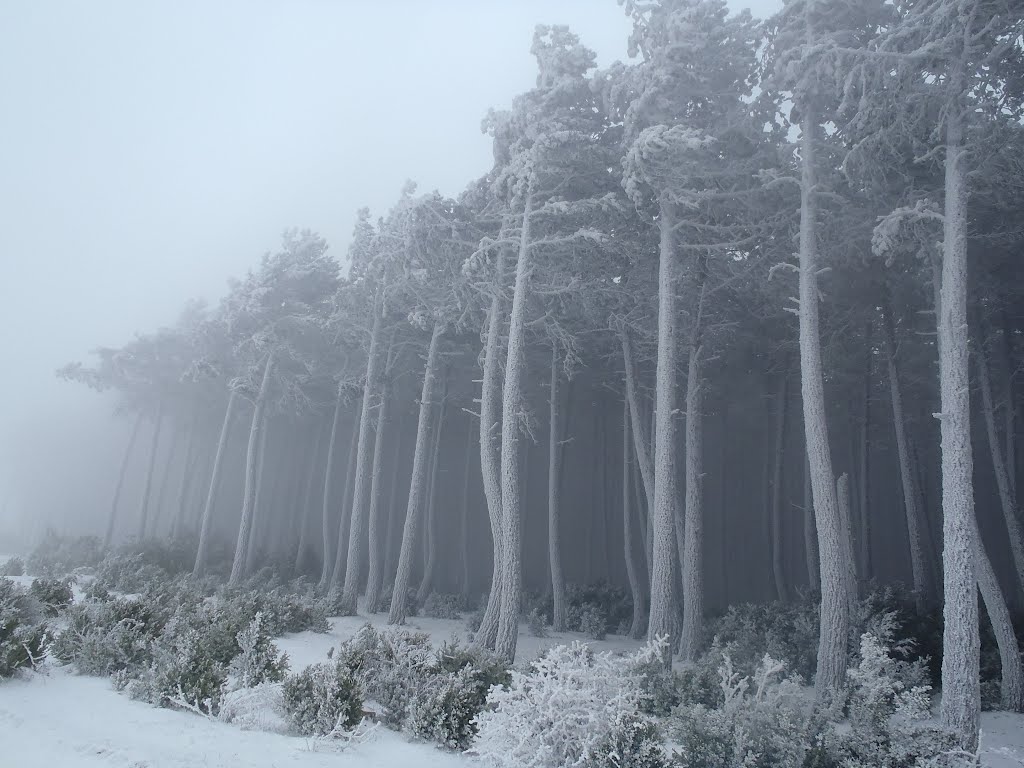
(863,496)
(554,507)
(203,547)
(781,411)
(845,521)
(636,627)
(389,547)
(810,531)
(249,494)
(375,579)
(153,448)
(835,617)
(692,558)
(417,486)
(1002,627)
(329,533)
(187,473)
(430,561)
(109,536)
(464,543)
(307,505)
(259,503)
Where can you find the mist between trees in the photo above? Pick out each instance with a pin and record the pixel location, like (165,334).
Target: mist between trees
(737,319)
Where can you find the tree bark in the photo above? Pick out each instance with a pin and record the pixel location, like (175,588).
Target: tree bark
(918,563)
(430,561)
(154,446)
(554,507)
(863,497)
(329,533)
(641,440)
(961,697)
(831,672)
(636,627)
(249,494)
(810,531)
(512,407)
(464,548)
(781,410)
(375,579)
(259,512)
(849,562)
(389,553)
(662,513)
(692,558)
(307,503)
(109,537)
(188,470)
(204,529)
(1002,627)
(417,489)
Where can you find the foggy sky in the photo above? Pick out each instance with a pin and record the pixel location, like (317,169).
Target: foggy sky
(150,150)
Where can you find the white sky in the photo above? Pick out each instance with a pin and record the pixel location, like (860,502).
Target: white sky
(148,150)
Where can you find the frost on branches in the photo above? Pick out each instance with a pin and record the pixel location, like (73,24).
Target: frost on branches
(566,710)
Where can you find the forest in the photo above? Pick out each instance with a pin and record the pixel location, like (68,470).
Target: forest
(739,322)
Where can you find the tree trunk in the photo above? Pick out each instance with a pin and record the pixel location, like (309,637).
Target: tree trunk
(692,559)
(662,513)
(641,440)
(161,489)
(144,516)
(490,456)
(389,549)
(961,697)
(810,531)
(918,563)
(417,489)
(218,460)
(249,494)
(1010,406)
(1002,627)
(863,499)
(430,561)
(375,580)
(831,672)
(554,507)
(781,410)
(330,534)
(187,478)
(1007,499)
(307,503)
(636,627)
(512,407)
(109,537)
(259,513)
(849,562)
(464,548)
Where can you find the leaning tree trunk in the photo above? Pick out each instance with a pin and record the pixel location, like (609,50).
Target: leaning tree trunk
(911,498)
(307,504)
(1010,406)
(835,617)
(259,513)
(161,490)
(663,510)
(464,520)
(344,517)
(849,562)
(417,489)
(249,494)
(371,391)
(781,411)
(430,537)
(511,410)
(961,696)
(490,455)
(1002,627)
(641,440)
(554,508)
(375,579)
(810,531)
(109,537)
(144,517)
(692,560)
(328,530)
(203,547)
(1007,498)
(636,627)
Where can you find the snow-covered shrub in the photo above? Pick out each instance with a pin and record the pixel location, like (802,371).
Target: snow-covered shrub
(439,605)
(611,602)
(56,556)
(23,633)
(913,633)
(54,594)
(260,661)
(444,707)
(698,683)
(94,591)
(760,724)
(559,712)
(476,617)
(593,622)
(183,673)
(104,638)
(783,630)
(128,572)
(13,567)
(633,742)
(322,699)
(260,708)
(659,687)
(537,623)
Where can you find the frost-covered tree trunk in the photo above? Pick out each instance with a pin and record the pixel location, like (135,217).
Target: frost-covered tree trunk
(911,497)
(831,672)
(218,459)
(863,496)
(961,697)
(512,408)
(417,486)
(129,449)
(430,560)
(329,534)
(1002,627)
(160,497)
(187,474)
(259,502)
(1007,498)
(663,510)
(307,504)
(692,557)
(153,448)
(849,562)
(490,454)
(810,531)
(389,549)
(641,440)
(375,579)
(249,494)
(554,478)
(636,627)
(464,543)
(781,410)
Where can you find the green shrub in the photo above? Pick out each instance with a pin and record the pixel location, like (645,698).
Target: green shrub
(57,556)
(183,673)
(439,605)
(23,633)
(15,566)
(54,594)
(322,699)
(259,660)
(632,742)
(537,623)
(593,622)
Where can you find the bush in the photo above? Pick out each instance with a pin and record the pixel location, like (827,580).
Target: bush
(13,567)
(442,606)
(633,742)
(614,604)
(537,623)
(444,707)
(593,623)
(259,660)
(53,594)
(785,631)
(102,639)
(476,617)
(59,555)
(260,708)
(23,634)
(562,709)
(322,699)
